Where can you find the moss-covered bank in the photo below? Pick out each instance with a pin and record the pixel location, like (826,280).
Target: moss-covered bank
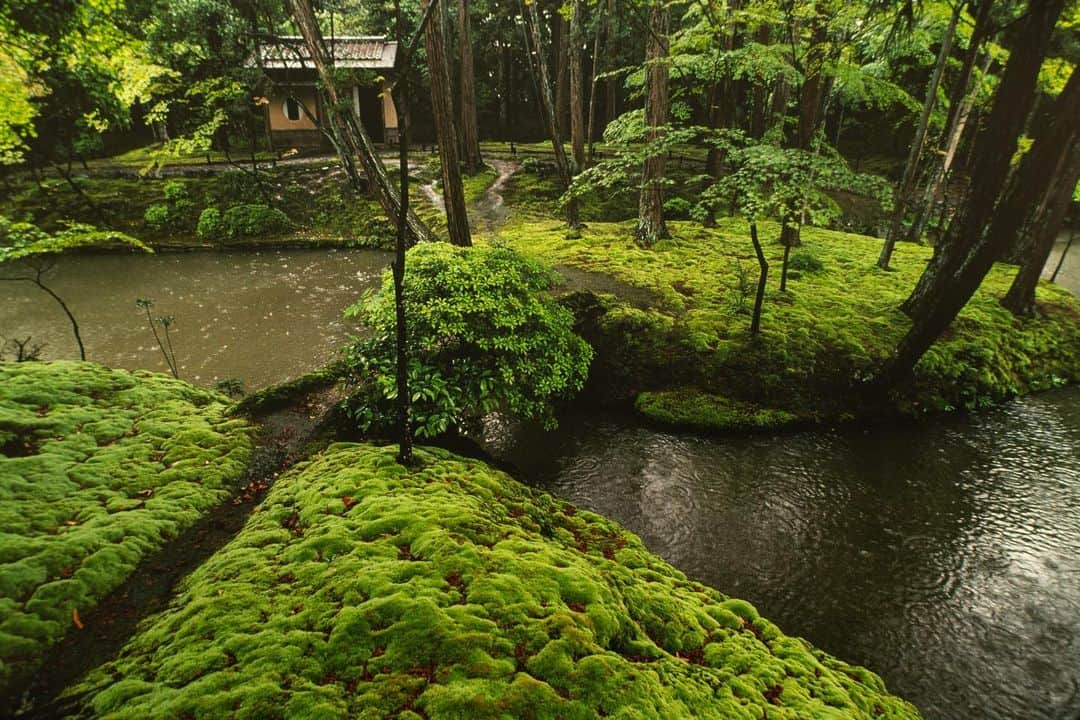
(98,468)
(360,589)
(687,343)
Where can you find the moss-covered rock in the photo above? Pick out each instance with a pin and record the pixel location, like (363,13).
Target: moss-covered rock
(361,589)
(691,408)
(98,468)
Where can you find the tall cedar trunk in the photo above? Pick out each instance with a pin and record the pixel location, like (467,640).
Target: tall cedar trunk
(442,111)
(957,271)
(722,94)
(590,129)
(651,226)
(611,86)
(560,42)
(470,133)
(350,139)
(577,89)
(1043,231)
(911,167)
(943,164)
(505,90)
(538,63)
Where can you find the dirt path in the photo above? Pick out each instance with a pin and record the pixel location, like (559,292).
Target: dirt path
(492,209)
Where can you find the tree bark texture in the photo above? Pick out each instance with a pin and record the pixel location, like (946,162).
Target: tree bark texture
(577,87)
(470,132)
(651,226)
(442,110)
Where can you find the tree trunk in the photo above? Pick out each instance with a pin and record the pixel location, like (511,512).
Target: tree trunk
(538,62)
(470,132)
(350,138)
(911,167)
(1043,232)
(442,111)
(940,173)
(763,276)
(577,88)
(957,271)
(561,44)
(1064,252)
(760,96)
(590,130)
(651,226)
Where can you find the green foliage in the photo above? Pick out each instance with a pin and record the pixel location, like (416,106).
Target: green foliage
(211,227)
(175,190)
(157,216)
(254,220)
(98,469)
(482,338)
(805,262)
(360,587)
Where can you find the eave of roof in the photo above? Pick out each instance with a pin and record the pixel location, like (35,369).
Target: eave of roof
(289,52)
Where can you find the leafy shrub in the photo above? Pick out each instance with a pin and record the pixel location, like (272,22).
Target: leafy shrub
(483,337)
(210,225)
(157,216)
(805,262)
(677,208)
(174,191)
(533,165)
(254,220)
(236,186)
(183,211)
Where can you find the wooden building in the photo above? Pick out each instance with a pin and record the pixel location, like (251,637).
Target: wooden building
(295,109)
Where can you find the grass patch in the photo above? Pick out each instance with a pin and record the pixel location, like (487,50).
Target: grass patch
(836,324)
(98,469)
(361,589)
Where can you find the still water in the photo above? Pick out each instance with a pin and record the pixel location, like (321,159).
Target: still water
(945,556)
(263,317)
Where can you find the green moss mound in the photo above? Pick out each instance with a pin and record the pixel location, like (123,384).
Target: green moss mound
(360,589)
(98,468)
(820,340)
(689,407)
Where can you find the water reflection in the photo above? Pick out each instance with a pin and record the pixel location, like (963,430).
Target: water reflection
(945,556)
(260,316)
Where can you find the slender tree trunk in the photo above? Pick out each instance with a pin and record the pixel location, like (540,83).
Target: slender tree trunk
(760,96)
(911,167)
(1064,252)
(538,62)
(763,276)
(577,87)
(442,110)
(561,44)
(1043,232)
(351,140)
(651,226)
(940,173)
(590,131)
(67,311)
(470,132)
(955,273)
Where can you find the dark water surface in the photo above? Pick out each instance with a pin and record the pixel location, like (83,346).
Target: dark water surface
(946,556)
(263,317)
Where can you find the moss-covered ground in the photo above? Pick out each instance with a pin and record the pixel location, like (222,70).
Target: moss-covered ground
(691,350)
(361,589)
(98,469)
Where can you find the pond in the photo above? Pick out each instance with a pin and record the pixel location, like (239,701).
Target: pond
(263,317)
(945,556)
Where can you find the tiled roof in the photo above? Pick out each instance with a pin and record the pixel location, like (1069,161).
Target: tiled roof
(289,51)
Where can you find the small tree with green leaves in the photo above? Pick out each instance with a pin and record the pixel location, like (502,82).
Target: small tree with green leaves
(34,253)
(482,337)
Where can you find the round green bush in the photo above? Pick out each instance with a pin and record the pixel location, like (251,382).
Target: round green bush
(254,220)
(175,190)
(483,337)
(157,216)
(210,226)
